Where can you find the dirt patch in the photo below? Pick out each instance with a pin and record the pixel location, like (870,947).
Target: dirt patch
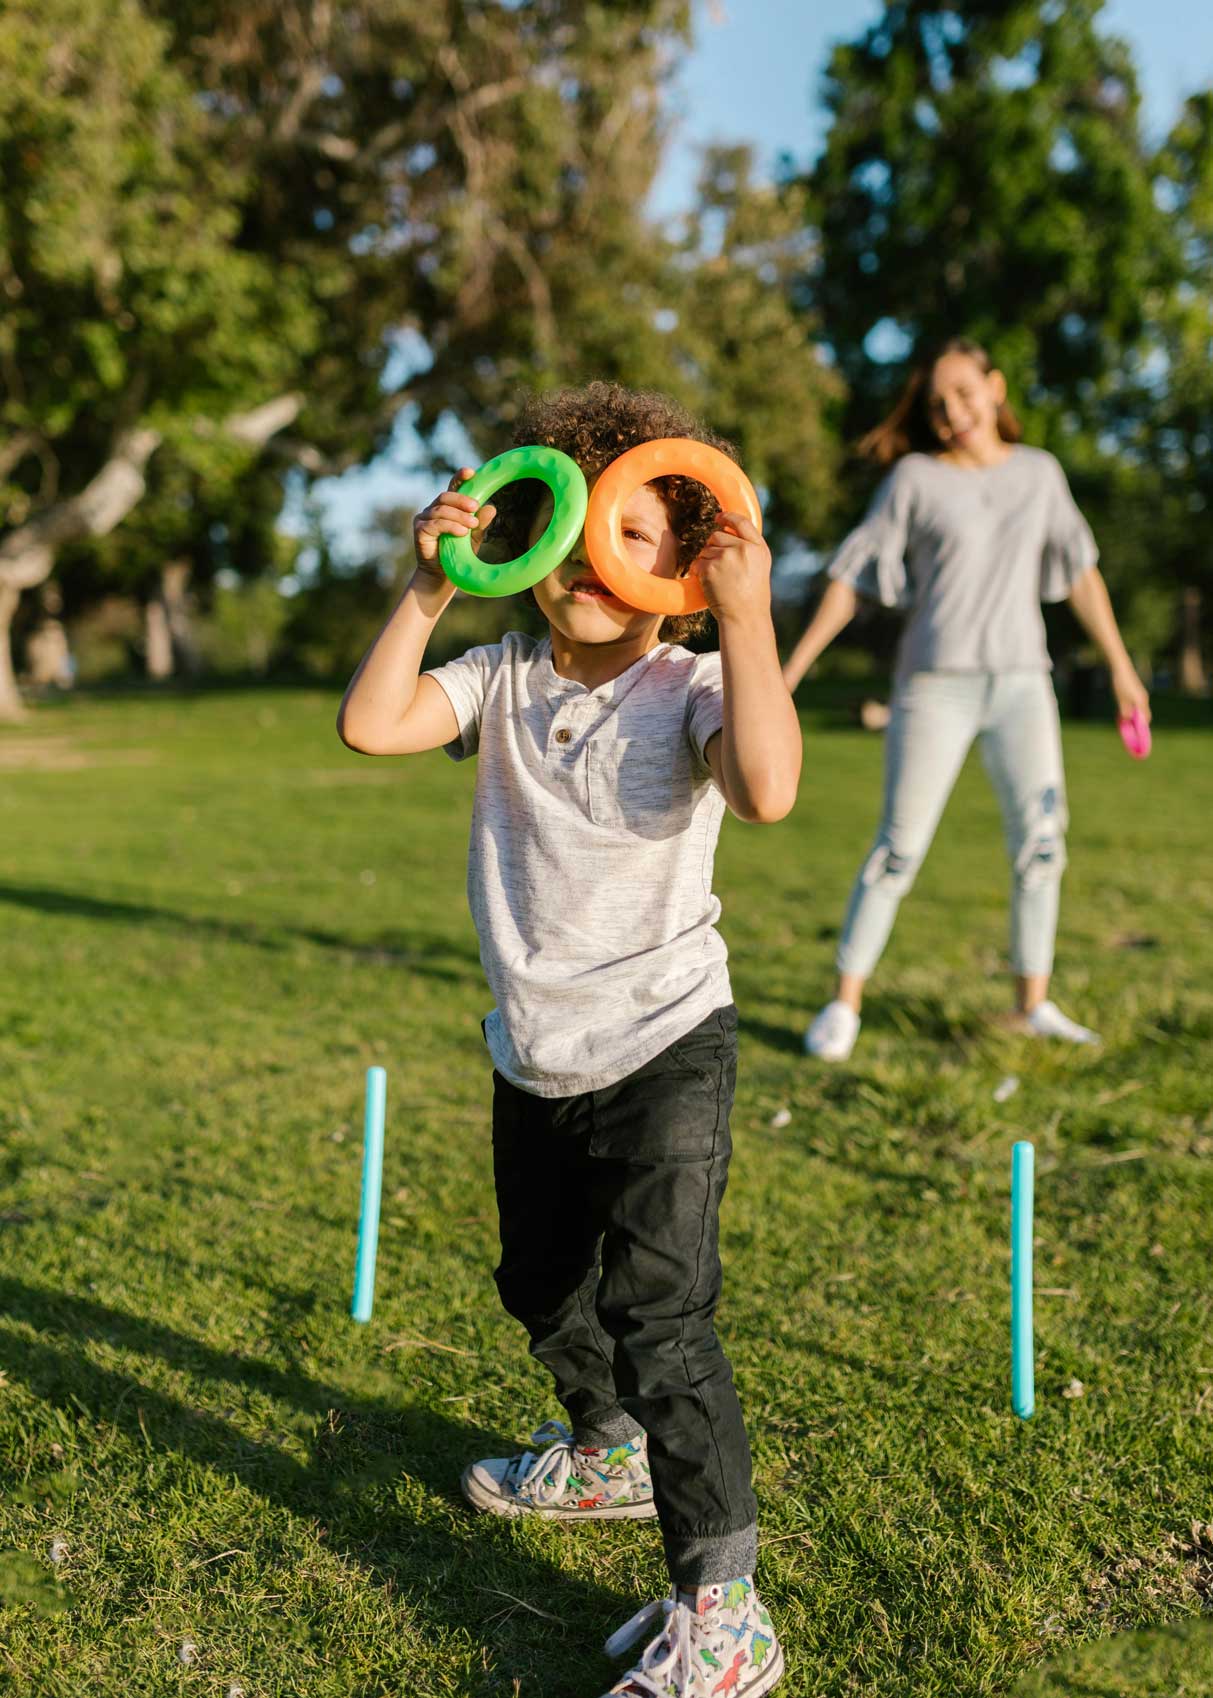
(1180,1573)
(59,754)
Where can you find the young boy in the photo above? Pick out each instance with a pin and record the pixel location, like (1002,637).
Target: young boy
(607,757)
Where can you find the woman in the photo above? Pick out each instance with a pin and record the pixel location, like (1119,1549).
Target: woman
(969,533)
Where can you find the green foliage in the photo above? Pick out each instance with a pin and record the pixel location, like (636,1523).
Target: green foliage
(128,298)
(985,174)
(757,362)
(243,627)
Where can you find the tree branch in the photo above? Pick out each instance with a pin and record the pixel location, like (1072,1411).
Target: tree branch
(257,426)
(27,553)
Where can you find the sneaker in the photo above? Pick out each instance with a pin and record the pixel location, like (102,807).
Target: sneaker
(564,1481)
(1047,1021)
(832,1035)
(715,1642)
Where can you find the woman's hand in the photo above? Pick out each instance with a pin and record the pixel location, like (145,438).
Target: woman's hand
(1131,694)
(449,514)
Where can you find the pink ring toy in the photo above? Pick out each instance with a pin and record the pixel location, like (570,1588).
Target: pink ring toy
(1135,734)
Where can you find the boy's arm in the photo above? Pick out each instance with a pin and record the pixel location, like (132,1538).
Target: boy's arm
(755,756)
(388,709)
(1093,610)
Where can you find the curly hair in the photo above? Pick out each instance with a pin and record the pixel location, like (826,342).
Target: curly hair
(595,425)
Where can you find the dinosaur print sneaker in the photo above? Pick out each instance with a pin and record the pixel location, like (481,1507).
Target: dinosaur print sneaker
(715,1642)
(564,1481)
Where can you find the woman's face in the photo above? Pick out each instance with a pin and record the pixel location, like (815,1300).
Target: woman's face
(962,403)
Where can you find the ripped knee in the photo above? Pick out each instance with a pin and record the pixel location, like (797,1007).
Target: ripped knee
(1042,854)
(891,867)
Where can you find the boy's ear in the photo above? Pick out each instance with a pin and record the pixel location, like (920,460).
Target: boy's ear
(998,386)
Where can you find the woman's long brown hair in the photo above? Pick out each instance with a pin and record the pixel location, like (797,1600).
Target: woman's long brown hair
(907,429)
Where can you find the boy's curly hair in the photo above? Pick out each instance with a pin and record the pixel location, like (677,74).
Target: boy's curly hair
(595,425)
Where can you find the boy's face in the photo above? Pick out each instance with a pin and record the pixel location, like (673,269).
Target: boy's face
(574,598)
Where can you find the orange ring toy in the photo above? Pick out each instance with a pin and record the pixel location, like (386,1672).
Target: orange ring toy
(668,456)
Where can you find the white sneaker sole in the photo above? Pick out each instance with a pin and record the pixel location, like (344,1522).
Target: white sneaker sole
(498,1503)
(766,1677)
(830,1052)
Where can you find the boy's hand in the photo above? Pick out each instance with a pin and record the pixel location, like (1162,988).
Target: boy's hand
(734,568)
(449,514)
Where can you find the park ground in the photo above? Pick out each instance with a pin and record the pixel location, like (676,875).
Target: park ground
(213,919)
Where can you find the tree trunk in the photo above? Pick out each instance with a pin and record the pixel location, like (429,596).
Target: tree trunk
(27,554)
(11,706)
(179,606)
(169,644)
(157,640)
(1193,679)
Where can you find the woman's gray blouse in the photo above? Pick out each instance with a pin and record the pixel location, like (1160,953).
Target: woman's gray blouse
(971,552)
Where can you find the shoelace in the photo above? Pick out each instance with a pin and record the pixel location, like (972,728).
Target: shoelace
(667,1657)
(528,1472)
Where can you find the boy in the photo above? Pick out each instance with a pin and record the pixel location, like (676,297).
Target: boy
(607,757)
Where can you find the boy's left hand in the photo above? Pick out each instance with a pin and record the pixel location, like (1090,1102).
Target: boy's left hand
(734,568)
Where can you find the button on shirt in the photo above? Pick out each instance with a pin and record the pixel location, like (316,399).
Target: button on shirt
(594,831)
(971,552)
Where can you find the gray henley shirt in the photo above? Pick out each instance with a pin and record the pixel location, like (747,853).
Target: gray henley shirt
(594,832)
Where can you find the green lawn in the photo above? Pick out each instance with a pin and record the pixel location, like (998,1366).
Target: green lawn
(213,919)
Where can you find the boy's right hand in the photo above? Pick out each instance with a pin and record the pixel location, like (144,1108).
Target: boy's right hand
(449,514)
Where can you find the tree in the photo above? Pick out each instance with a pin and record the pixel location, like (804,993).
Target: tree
(985,173)
(299,217)
(211,206)
(757,363)
(132,320)
(1177,410)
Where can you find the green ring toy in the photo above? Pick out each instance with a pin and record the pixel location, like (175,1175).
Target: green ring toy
(566,481)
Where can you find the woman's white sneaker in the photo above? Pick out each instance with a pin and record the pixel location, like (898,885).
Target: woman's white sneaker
(562,1481)
(1047,1021)
(832,1035)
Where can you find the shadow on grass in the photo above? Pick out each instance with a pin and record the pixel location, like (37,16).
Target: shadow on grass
(358,1446)
(433,957)
(917,1020)
(789,1040)
(1175,1661)
(924,1019)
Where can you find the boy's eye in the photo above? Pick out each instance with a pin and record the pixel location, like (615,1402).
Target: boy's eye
(631,531)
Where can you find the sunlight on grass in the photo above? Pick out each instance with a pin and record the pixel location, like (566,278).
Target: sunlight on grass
(214,919)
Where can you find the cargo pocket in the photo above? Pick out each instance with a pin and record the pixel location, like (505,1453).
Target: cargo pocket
(676,1107)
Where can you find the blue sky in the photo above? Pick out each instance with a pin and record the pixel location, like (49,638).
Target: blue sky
(753,75)
(755,72)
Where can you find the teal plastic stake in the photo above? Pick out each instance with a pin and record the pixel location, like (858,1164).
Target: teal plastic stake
(1023,1368)
(372,1191)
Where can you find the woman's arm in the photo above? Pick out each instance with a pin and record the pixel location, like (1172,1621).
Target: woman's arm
(388,709)
(755,756)
(1093,610)
(836,611)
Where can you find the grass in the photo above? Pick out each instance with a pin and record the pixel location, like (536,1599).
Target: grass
(212,919)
